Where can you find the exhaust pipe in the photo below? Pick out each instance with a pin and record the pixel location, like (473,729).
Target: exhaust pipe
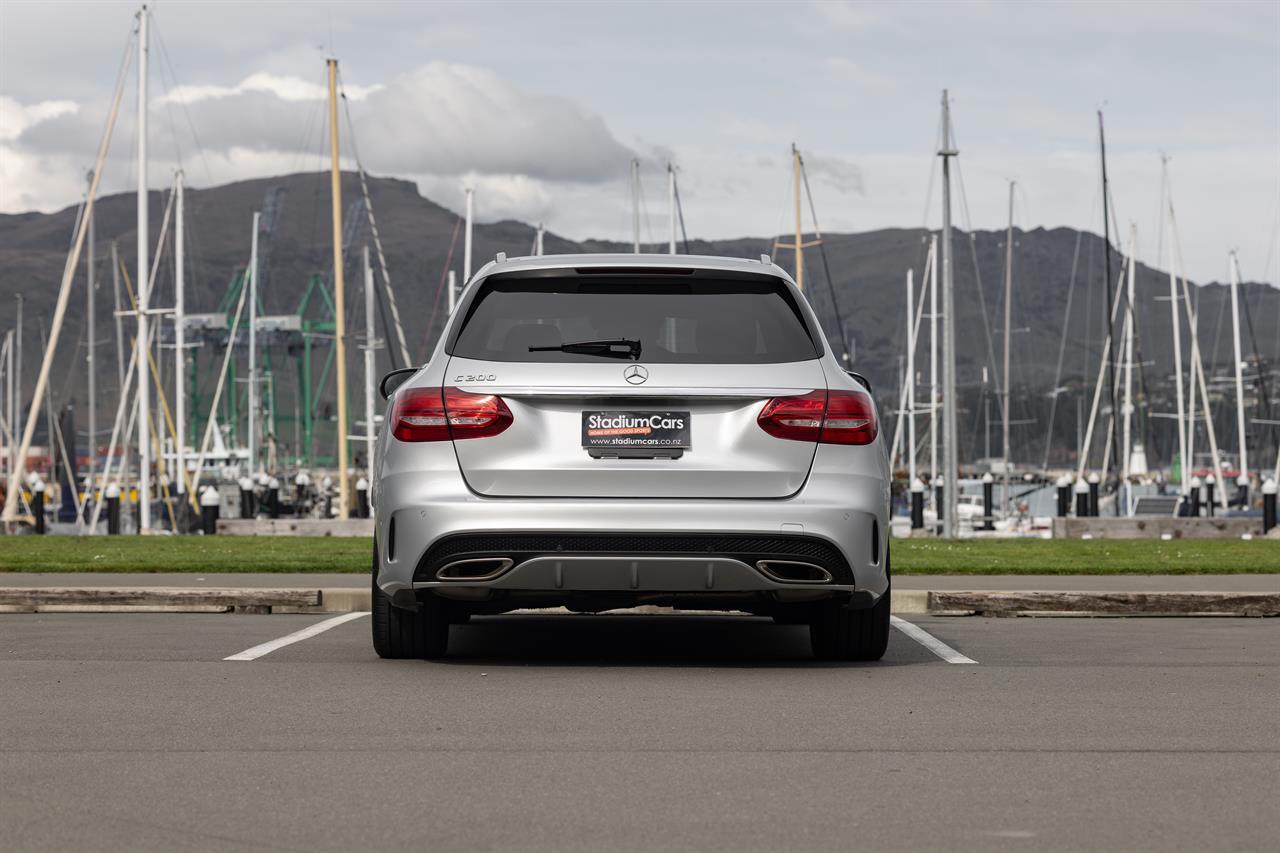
(793,571)
(475,569)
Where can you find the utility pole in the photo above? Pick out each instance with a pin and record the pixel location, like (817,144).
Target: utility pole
(453,291)
(635,206)
(252,284)
(179,336)
(950,445)
(339,289)
(1008,335)
(143,277)
(466,236)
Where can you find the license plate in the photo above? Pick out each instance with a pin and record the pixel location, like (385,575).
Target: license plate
(636,431)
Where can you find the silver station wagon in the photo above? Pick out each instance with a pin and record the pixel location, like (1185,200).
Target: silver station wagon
(598,432)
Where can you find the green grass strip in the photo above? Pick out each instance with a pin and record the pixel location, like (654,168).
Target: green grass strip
(910,556)
(183,554)
(1086,557)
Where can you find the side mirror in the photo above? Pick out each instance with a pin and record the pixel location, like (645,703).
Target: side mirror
(394,380)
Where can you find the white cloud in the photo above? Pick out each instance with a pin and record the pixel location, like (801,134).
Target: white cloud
(840,174)
(286,88)
(449,119)
(15,118)
(27,181)
(443,122)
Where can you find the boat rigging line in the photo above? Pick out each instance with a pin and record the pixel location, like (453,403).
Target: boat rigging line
(64,291)
(826,266)
(377,239)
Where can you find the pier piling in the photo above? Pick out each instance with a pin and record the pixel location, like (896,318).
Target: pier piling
(988,501)
(113,509)
(37,505)
(917,504)
(1268,505)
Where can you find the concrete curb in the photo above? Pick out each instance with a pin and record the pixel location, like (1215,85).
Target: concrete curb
(1060,603)
(348,527)
(157,599)
(907,601)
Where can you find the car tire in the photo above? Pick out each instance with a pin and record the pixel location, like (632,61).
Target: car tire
(838,633)
(400,634)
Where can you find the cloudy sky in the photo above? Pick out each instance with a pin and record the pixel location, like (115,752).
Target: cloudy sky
(540,106)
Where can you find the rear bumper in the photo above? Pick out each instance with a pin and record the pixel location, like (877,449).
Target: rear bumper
(846,511)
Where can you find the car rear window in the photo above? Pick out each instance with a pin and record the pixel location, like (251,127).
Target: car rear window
(676,320)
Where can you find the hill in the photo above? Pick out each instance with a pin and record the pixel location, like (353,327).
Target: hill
(868,272)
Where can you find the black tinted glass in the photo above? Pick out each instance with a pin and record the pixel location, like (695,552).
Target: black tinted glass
(676,321)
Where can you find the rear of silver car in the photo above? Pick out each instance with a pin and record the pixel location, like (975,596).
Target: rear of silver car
(597,432)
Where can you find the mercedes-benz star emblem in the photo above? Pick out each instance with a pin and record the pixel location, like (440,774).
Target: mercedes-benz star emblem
(635,374)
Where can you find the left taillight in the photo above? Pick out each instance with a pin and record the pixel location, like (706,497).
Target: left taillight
(829,417)
(440,414)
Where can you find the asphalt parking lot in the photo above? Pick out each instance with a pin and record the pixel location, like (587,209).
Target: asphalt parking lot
(632,732)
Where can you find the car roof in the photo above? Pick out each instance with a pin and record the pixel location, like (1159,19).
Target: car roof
(622,261)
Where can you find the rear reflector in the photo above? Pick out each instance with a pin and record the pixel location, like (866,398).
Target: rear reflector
(834,417)
(440,414)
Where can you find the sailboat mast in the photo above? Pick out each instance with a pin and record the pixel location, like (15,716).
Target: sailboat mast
(635,206)
(1106,240)
(950,445)
(466,235)
(911,377)
(10,429)
(671,209)
(369,355)
(1127,409)
(795,165)
(252,284)
(15,408)
(11,449)
(91,344)
(1241,429)
(339,290)
(1008,335)
(180,335)
(142,276)
(933,358)
(1184,463)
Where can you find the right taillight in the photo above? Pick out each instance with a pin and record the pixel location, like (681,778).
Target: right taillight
(440,414)
(851,418)
(829,417)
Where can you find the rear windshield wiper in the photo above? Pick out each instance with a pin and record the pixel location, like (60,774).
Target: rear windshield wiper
(619,348)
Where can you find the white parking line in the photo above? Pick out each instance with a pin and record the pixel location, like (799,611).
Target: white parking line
(296,637)
(929,641)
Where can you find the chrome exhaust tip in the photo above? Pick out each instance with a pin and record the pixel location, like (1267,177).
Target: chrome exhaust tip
(474,569)
(794,571)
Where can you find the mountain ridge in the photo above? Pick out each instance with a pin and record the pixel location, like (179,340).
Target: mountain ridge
(868,270)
